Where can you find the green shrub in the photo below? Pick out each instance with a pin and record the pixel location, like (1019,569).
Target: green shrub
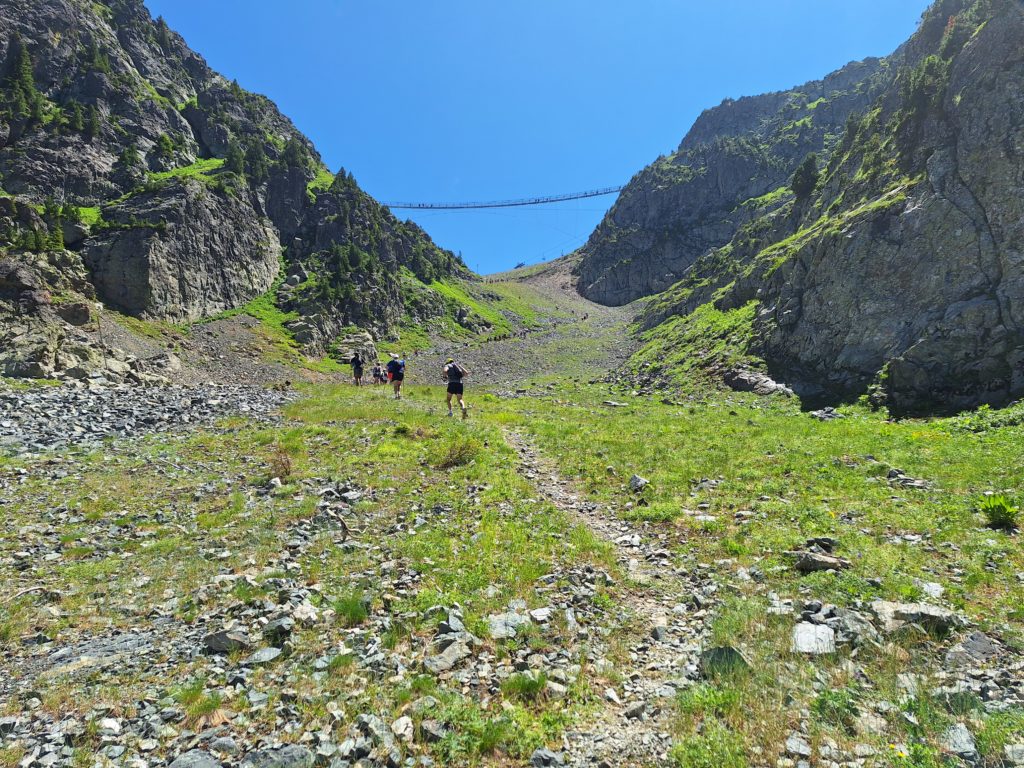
(999,513)
(196,700)
(836,707)
(455,450)
(524,686)
(716,747)
(707,700)
(340,663)
(805,179)
(351,609)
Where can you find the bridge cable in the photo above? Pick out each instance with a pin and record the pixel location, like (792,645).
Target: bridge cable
(508,203)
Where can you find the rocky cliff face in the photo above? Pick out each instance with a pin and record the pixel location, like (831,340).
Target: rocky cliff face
(696,199)
(900,272)
(921,293)
(151,259)
(352,259)
(181,192)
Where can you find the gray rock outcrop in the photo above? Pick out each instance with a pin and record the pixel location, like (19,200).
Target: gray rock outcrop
(132,125)
(900,274)
(678,208)
(182,253)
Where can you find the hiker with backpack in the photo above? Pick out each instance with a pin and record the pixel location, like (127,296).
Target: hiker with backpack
(396,374)
(357,368)
(453,373)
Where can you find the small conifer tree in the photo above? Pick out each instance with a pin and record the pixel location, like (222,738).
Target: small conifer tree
(235,160)
(76,119)
(256,166)
(92,122)
(805,179)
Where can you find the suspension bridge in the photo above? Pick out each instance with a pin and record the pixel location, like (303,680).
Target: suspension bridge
(507,203)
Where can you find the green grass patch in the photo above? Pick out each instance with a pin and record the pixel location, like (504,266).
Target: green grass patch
(321,182)
(688,348)
(716,747)
(200,168)
(351,609)
(91,216)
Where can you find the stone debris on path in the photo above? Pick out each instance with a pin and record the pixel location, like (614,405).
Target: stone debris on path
(674,603)
(46,418)
(256,649)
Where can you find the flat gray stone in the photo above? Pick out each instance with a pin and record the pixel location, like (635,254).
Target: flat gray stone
(1013,755)
(930,617)
(447,659)
(809,562)
(797,746)
(262,656)
(543,758)
(637,483)
(722,660)
(976,648)
(226,641)
(814,639)
(290,756)
(196,758)
(502,626)
(960,741)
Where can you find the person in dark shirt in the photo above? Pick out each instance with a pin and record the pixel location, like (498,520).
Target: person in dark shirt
(453,373)
(396,372)
(357,368)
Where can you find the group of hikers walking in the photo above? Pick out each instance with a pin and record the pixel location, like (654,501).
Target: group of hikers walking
(393,372)
(452,373)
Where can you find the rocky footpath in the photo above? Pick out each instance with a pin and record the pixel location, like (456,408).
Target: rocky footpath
(45,418)
(667,603)
(578,342)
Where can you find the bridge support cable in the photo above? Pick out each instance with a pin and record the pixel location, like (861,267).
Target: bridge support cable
(506,203)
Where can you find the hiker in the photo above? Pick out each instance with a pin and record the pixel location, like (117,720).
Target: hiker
(453,373)
(357,368)
(396,374)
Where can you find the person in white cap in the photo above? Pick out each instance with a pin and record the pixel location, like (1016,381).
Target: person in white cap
(396,373)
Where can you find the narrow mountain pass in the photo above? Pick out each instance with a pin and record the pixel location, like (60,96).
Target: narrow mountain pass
(568,337)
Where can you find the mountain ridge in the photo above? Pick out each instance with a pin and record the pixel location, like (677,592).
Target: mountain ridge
(842,279)
(183,195)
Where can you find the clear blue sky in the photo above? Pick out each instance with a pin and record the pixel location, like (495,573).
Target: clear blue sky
(448,100)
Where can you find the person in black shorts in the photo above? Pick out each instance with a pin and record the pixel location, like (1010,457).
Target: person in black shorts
(454,373)
(357,368)
(396,372)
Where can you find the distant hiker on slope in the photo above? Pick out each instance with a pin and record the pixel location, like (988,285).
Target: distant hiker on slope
(357,368)
(454,373)
(396,373)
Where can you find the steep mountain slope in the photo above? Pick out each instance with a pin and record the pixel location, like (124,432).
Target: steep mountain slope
(181,194)
(729,168)
(899,271)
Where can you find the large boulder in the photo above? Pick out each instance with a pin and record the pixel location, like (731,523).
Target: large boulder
(359,341)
